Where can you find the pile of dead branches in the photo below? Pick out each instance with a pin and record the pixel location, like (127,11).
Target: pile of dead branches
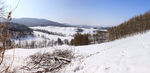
(49,62)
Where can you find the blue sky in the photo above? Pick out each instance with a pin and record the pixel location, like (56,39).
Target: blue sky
(90,12)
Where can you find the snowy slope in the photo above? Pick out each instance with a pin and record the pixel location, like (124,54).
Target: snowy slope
(129,55)
(51,37)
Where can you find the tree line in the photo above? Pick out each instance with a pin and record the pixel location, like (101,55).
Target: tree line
(39,44)
(86,39)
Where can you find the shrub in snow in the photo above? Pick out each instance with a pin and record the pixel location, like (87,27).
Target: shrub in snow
(66,41)
(49,62)
(59,41)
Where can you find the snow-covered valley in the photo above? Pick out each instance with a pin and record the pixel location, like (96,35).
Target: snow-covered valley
(50,34)
(74,36)
(128,55)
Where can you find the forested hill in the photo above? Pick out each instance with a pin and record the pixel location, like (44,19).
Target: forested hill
(19,31)
(137,24)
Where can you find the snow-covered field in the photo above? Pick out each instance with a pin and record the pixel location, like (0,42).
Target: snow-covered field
(129,55)
(68,31)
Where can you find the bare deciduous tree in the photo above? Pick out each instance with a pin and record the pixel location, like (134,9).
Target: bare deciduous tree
(137,24)
(4,35)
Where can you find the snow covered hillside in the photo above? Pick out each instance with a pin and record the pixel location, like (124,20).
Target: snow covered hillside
(129,55)
(67,32)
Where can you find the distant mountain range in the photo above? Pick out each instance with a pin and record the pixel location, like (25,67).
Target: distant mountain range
(30,22)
